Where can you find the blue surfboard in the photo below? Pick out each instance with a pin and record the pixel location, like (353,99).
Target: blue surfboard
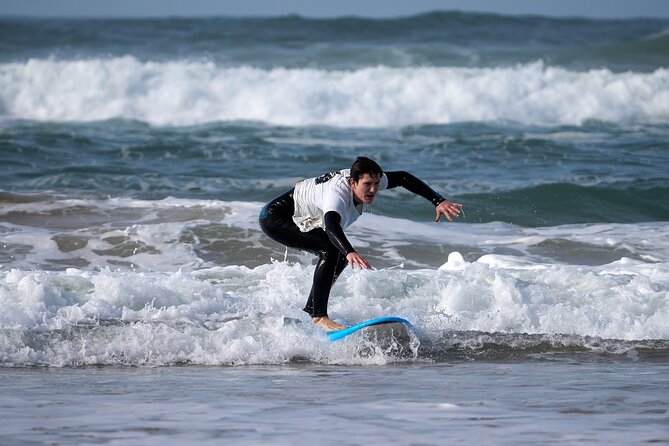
(339,334)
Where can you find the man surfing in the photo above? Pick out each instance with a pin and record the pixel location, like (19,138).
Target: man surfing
(313,215)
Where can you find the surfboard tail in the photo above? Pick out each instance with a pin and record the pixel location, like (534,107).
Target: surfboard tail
(340,334)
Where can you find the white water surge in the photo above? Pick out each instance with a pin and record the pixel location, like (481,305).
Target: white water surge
(196,92)
(236,315)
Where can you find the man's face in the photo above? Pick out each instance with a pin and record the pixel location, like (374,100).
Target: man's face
(365,189)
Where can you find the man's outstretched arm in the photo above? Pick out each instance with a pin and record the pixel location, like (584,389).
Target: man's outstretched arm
(418,187)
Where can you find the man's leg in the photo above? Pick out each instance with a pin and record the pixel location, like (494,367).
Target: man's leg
(330,265)
(276,221)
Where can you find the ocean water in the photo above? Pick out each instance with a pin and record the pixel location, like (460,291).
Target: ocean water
(141,303)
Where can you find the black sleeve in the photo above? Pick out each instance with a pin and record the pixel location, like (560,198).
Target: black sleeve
(334,231)
(413,184)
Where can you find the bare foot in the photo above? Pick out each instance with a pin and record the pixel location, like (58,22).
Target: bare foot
(327,324)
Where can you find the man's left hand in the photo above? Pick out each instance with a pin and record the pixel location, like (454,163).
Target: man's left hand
(448,210)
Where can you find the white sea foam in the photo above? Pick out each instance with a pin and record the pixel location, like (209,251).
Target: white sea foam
(164,304)
(187,92)
(235,314)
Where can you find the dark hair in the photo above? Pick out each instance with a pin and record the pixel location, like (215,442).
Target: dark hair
(364,165)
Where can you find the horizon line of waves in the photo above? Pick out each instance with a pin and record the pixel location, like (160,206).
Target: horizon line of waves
(290,30)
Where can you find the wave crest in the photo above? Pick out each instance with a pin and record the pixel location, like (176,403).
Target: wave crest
(191,93)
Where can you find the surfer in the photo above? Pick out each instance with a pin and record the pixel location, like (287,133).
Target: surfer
(312,217)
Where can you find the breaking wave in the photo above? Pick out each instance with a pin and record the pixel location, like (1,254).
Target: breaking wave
(190,93)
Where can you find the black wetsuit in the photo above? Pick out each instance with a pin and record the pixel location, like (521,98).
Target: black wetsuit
(329,244)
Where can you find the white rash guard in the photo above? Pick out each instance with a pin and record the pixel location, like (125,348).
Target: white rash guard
(314,197)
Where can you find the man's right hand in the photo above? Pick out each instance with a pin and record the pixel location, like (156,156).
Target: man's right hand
(355,259)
